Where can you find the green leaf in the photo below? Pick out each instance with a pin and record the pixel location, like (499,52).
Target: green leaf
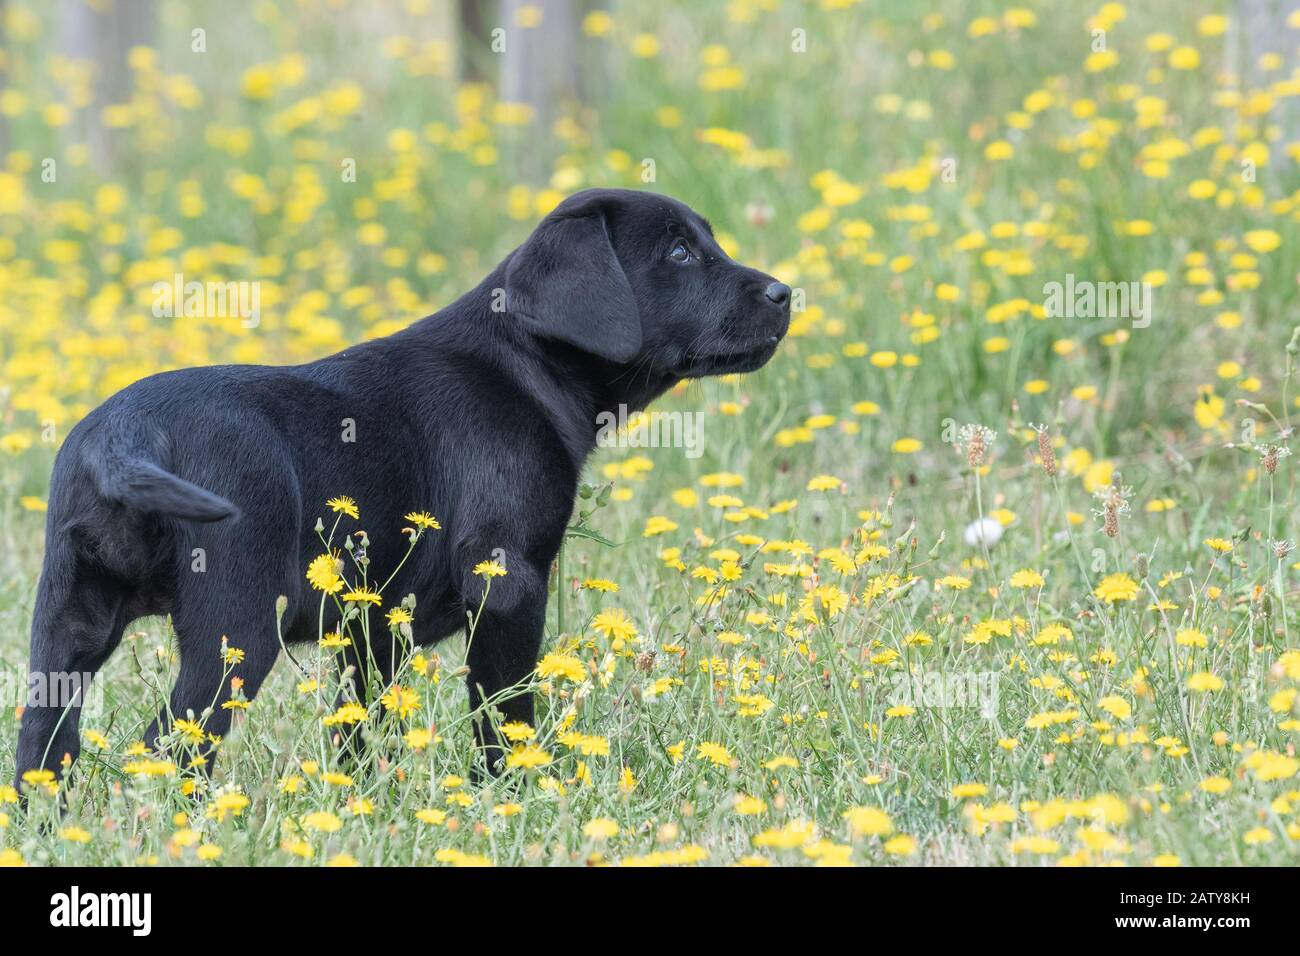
(576,532)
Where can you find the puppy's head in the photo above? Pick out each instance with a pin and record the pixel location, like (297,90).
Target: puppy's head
(638,279)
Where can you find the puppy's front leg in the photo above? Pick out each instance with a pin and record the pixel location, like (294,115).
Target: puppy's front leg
(506,636)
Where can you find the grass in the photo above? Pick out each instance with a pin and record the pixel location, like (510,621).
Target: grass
(806,658)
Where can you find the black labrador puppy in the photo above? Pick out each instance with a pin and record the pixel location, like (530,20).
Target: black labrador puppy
(481,414)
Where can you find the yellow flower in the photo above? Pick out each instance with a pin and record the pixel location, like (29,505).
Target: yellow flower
(299,848)
(149,768)
(791,836)
(645,45)
(528,16)
(901,845)
(749,806)
(1116,706)
(1257,836)
(344,505)
(15,442)
(658,524)
(489,569)
(1039,845)
(884,359)
(1216,785)
(321,820)
(1027,579)
(1208,409)
(350,713)
(815,220)
(400,700)
(1184,58)
(189,729)
(868,821)
(517,731)
(528,757)
(627,780)
(418,738)
(614,623)
(824,483)
(258,82)
(1262,240)
(363,596)
(459,858)
(424,520)
(561,665)
(332,639)
(1116,587)
(1205,682)
(722,78)
(589,744)
(1212,25)
(601,828)
(999,149)
(233,803)
(598,23)
(714,753)
(323,573)
(1268,765)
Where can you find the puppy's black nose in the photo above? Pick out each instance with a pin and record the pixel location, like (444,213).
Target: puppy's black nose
(778,292)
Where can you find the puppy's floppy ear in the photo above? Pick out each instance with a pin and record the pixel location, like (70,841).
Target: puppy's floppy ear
(566,283)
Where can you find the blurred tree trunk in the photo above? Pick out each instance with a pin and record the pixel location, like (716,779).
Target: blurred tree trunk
(540,68)
(475,39)
(103,34)
(4,76)
(1264,30)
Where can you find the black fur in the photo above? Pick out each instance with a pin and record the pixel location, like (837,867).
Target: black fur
(481,414)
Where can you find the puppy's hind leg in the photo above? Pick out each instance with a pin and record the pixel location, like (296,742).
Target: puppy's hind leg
(79,619)
(209,672)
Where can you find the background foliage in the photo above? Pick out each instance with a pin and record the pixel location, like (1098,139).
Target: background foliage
(918,172)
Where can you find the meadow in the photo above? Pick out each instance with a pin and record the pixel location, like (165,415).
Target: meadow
(956,579)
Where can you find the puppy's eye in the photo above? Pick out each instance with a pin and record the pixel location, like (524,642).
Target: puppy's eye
(680,252)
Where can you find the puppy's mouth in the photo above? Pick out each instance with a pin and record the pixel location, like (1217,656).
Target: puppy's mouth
(728,362)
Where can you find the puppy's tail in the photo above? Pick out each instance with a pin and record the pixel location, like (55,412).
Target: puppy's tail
(143,486)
